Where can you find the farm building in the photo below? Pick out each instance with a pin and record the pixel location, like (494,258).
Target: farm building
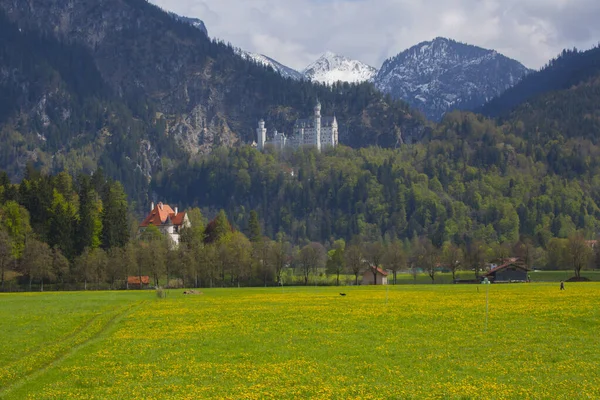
(371,273)
(508,272)
(134,281)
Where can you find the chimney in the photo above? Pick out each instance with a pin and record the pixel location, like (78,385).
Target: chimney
(176,210)
(152,206)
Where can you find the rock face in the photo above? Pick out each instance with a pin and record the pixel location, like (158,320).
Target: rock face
(441,75)
(331,67)
(195,22)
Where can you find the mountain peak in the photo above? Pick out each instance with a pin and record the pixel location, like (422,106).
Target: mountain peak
(330,54)
(442,74)
(332,67)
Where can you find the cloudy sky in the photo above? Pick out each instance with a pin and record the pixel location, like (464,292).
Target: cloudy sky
(297,32)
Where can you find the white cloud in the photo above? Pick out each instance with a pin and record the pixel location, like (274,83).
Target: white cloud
(296,32)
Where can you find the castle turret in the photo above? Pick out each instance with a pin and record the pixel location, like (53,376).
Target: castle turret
(334,132)
(261,133)
(318,125)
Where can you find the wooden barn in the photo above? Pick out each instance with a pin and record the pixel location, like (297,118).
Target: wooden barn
(134,281)
(374,276)
(512,271)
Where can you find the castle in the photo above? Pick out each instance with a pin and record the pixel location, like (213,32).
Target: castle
(316,131)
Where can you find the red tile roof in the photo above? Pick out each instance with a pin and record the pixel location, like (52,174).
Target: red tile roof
(158,216)
(135,280)
(379,270)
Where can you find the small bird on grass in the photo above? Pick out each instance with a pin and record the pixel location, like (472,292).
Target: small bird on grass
(342,294)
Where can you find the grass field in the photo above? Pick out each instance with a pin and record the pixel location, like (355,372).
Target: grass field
(409,341)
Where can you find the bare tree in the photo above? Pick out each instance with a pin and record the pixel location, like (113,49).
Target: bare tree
(261,253)
(5,253)
(37,261)
(452,256)
(475,256)
(394,257)
(279,254)
(426,257)
(579,253)
(374,253)
(354,260)
(311,258)
(60,265)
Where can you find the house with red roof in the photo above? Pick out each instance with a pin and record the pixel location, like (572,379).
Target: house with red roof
(168,221)
(374,276)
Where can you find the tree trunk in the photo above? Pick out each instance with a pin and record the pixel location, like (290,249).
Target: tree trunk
(355,279)
(42,286)
(374,277)
(394,277)
(30,280)
(305,279)
(3,277)
(337,280)
(85,284)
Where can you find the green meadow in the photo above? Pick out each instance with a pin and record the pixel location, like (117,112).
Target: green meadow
(394,342)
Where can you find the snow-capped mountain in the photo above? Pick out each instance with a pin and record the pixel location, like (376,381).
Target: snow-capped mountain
(283,70)
(330,68)
(441,75)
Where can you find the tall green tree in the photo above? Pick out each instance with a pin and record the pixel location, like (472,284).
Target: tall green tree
(255,234)
(62,225)
(336,263)
(89,227)
(114,217)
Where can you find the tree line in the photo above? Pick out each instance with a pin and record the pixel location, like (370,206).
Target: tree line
(80,234)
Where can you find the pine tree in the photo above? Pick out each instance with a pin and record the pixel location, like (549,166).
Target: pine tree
(114,217)
(254,227)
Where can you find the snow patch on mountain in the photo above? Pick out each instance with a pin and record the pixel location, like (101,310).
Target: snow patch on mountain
(331,67)
(261,59)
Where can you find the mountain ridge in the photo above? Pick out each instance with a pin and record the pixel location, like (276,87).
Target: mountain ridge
(440,75)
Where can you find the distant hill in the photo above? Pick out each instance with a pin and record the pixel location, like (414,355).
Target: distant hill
(443,75)
(570,68)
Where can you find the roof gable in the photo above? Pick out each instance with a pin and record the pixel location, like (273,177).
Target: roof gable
(163,214)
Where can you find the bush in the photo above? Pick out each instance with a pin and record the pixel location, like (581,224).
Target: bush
(161,293)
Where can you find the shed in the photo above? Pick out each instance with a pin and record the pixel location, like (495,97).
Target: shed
(373,272)
(508,272)
(134,281)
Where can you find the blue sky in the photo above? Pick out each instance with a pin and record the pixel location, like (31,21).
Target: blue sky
(296,32)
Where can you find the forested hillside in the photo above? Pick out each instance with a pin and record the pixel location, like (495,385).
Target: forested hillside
(472,180)
(123,85)
(570,68)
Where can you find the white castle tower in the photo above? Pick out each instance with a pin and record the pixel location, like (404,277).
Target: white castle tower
(318,125)
(318,131)
(261,133)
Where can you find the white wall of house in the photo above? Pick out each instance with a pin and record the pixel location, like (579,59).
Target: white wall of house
(368,278)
